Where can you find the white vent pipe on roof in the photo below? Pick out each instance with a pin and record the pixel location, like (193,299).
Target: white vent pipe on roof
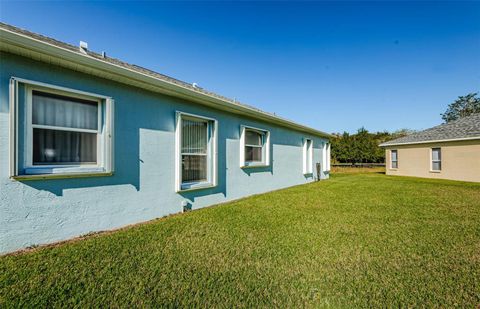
(83,46)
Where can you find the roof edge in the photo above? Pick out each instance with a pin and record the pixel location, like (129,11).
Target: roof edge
(35,45)
(432,141)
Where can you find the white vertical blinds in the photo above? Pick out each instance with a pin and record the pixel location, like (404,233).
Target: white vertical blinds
(194,136)
(65,130)
(194,150)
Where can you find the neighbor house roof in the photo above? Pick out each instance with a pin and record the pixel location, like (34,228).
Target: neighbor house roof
(465,128)
(39,47)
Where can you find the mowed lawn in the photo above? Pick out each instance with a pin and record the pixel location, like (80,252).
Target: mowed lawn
(357,240)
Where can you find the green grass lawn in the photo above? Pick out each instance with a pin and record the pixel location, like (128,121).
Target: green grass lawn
(354,241)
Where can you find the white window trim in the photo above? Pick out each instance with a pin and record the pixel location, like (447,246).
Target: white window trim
(329,158)
(32,169)
(265,148)
(432,161)
(326,157)
(105,146)
(391,161)
(212,178)
(307,152)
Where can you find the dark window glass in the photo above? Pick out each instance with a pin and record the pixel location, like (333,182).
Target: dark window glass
(253,146)
(253,138)
(394,159)
(253,154)
(436,159)
(61,147)
(194,168)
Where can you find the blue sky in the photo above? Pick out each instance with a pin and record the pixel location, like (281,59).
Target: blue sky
(335,66)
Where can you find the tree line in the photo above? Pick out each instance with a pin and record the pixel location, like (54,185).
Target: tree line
(362,147)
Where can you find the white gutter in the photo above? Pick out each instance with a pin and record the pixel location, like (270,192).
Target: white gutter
(432,141)
(163,86)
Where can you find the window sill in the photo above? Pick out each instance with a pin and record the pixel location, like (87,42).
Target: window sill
(73,169)
(61,176)
(196,186)
(255,165)
(437,172)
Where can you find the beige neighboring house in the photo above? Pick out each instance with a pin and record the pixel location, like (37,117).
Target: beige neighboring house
(447,151)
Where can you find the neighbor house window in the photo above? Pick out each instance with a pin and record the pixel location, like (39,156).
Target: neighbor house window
(394,158)
(436,159)
(197,147)
(307,156)
(66,131)
(254,149)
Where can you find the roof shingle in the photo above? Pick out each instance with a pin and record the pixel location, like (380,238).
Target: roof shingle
(463,128)
(155,75)
(115,61)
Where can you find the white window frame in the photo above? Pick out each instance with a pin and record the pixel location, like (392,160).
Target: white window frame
(432,161)
(307,154)
(329,157)
(391,159)
(265,147)
(326,157)
(212,154)
(105,133)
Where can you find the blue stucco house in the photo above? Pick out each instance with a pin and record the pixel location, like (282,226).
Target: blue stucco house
(90,143)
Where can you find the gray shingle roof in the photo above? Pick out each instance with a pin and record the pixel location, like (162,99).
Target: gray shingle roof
(467,127)
(144,71)
(113,61)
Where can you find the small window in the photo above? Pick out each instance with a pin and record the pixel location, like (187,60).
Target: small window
(394,158)
(307,156)
(326,157)
(436,159)
(327,167)
(66,131)
(197,144)
(254,141)
(254,147)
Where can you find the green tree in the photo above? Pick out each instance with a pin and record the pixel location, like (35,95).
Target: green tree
(462,107)
(362,147)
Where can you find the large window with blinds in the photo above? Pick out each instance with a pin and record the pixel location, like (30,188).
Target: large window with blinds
(254,147)
(197,147)
(67,131)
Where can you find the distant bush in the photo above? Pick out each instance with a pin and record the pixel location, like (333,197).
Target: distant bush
(362,147)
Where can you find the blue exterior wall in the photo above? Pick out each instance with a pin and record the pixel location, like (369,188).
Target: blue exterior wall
(142,188)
